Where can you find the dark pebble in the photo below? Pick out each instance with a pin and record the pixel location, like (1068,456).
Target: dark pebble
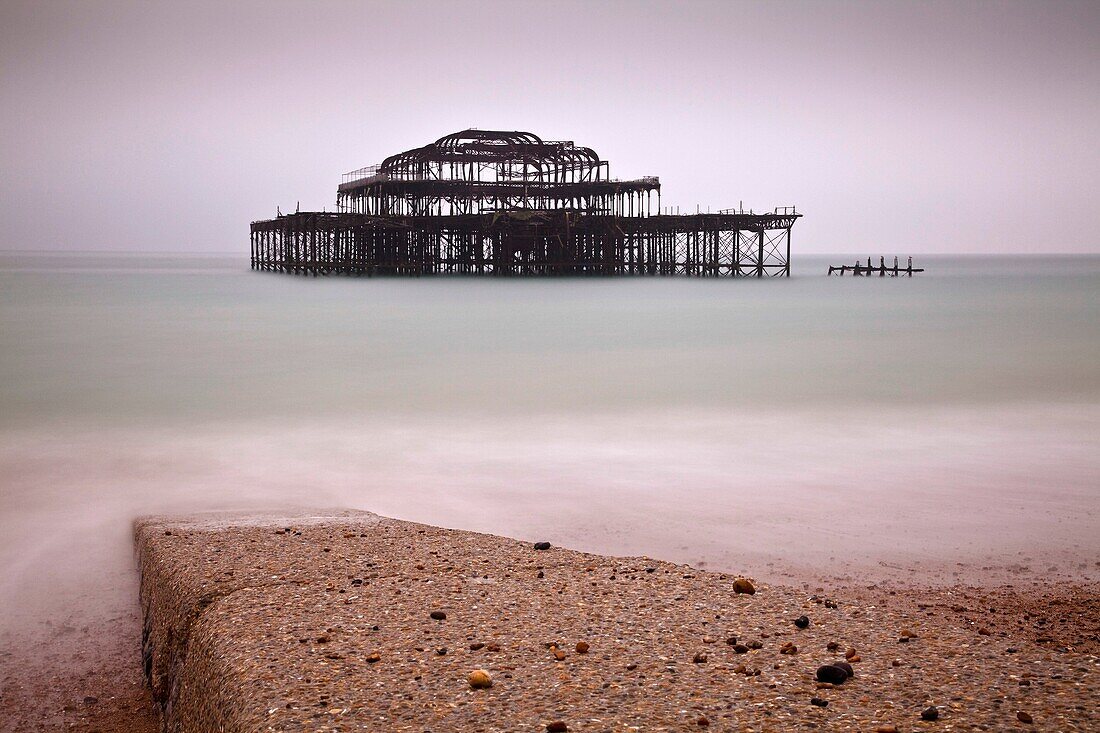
(441,651)
(802,622)
(740,648)
(438,615)
(832,674)
(930,713)
(91,700)
(819,702)
(558,726)
(846,667)
(545,546)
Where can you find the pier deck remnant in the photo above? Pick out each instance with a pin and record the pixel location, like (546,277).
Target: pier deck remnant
(882,270)
(510,203)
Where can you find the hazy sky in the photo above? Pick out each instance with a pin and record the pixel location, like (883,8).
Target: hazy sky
(896,128)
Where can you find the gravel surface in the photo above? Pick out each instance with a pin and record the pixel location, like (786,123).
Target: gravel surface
(325,624)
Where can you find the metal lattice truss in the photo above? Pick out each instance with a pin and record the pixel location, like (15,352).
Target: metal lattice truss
(511,203)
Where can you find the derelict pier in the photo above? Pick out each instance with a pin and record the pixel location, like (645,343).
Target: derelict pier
(510,203)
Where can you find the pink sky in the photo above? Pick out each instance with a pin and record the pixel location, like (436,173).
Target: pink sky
(923,127)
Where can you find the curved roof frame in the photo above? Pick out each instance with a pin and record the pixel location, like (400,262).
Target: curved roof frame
(493,146)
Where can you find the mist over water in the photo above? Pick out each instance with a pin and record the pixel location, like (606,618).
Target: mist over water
(821,424)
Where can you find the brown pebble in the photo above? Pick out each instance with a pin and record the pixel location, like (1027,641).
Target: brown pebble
(479,679)
(886,729)
(438,615)
(743,585)
(849,654)
(855,658)
(1024,717)
(699,658)
(984,631)
(832,646)
(631,666)
(788,648)
(582,647)
(558,726)
(558,654)
(372,658)
(476,645)
(702,722)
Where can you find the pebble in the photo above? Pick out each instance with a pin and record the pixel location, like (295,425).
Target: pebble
(558,654)
(832,646)
(832,674)
(702,722)
(699,658)
(886,729)
(930,713)
(802,622)
(743,585)
(441,651)
(542,545)
(479,679)
(819,702)
(476,645)
(582,647)
(788,648)
(558,726)
(1024,717)
(732,641)
(850,653)
(740,648)
(438,615)
(372,658)
(91,700)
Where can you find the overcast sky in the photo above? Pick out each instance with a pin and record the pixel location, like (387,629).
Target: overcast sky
(896,128)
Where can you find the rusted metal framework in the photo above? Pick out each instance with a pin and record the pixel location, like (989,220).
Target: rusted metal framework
(510,203)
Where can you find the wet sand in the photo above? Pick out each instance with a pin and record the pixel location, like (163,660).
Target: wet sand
(328,626)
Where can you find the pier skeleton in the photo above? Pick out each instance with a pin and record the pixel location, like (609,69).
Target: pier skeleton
(510,203)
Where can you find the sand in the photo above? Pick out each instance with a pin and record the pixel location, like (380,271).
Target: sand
(328,626)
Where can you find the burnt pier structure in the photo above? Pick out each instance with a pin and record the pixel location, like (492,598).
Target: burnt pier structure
(510,203)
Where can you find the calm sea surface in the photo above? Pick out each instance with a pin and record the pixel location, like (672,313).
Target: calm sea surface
(738,423)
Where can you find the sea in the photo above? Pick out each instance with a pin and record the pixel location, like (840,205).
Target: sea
(926,428)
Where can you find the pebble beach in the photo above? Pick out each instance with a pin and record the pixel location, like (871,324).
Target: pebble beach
(358,622)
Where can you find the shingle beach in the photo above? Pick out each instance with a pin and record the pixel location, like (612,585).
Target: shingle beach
(351,621)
